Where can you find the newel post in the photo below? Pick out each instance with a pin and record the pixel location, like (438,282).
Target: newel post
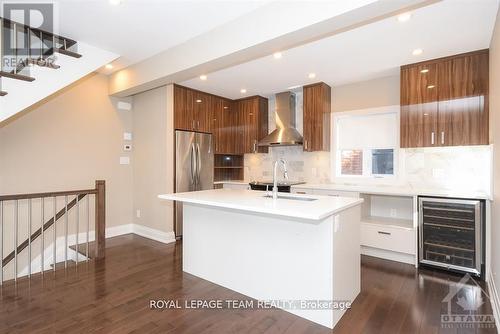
(100,219)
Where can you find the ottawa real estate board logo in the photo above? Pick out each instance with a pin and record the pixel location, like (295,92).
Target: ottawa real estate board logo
(464,306)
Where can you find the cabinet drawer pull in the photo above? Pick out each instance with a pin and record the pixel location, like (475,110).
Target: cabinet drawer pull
(432,138)
(384,233)
(305,144)
(332,195)
(442,137)
(300,192)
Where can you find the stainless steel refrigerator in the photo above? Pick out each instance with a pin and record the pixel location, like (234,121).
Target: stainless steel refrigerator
(194,167)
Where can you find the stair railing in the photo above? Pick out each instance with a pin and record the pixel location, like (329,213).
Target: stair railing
(75,197)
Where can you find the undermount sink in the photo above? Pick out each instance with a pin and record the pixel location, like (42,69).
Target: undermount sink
(293,198)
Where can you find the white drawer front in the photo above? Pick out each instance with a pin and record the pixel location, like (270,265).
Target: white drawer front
(236,186)
(336,193)
(301,191)
(388,238)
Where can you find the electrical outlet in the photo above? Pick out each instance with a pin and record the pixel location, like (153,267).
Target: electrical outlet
(394,213)
(138,213)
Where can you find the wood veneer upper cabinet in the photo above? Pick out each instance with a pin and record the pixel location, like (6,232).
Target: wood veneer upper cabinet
(193,110)
(444,102)
(317,117)
(252,123)
(463,100)
(419,105)
(225,127)
(183,108)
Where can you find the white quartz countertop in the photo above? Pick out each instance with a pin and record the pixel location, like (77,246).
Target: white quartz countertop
(395,190)
(254,201)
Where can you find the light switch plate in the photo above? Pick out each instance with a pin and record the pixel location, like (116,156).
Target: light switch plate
(124,106)
(124,160)
(127,136)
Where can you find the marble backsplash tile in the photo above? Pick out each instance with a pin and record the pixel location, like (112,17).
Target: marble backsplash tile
(450,168)
(302,166)
(454,168)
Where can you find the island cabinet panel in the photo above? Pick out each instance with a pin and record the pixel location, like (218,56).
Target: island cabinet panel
(317,117)
(444,102)
(252,123)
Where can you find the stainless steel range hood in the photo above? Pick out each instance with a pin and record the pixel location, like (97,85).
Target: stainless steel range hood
(285,134)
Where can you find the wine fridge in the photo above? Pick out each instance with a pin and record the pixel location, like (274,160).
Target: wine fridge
(451,234)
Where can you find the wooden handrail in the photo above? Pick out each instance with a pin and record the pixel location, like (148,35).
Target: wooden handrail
(47,194)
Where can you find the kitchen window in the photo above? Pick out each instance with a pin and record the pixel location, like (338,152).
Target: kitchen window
(366,143)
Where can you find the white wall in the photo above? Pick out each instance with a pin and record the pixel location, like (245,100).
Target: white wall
(495,133)
(152,158)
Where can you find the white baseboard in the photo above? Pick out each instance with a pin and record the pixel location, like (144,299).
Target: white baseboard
(151,233)
(495,301)
(388,255)
(143,231)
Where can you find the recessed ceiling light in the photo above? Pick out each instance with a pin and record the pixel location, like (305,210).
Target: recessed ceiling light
(115,2)
(198,101)
(430,86)
(404,17)
(277,55)
(426,70)
(243,91)
(311,75)
(203,77)
(109,67)
(294,87)
(417,52)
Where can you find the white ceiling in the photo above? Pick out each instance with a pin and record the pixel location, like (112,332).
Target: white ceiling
(375,50)
(138,29)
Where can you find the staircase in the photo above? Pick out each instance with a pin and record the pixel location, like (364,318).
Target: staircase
(55,229)
(36,64)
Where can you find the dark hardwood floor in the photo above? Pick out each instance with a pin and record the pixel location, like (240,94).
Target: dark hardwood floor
(113,296)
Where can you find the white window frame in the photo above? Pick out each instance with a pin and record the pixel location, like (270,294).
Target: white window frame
(367,151)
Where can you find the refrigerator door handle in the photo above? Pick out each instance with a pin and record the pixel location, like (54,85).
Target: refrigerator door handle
(198,163)
(193,164)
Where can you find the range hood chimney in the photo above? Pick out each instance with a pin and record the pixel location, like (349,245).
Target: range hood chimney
(285,134)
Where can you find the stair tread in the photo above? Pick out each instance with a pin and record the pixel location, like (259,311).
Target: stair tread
(82,248)
(16,76)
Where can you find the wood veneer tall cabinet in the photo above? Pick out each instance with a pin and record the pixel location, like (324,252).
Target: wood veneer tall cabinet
(317,117)
(444,102)
(253,123)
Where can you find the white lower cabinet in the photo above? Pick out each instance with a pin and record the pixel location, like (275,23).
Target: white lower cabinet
(392,238)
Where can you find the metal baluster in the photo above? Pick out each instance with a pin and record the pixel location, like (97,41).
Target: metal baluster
(88,226)
(15,54)
(42,241)
(41,45)
(55,233)
(29,237)
(16,218)
(77,225)
(66,231)
(1,243)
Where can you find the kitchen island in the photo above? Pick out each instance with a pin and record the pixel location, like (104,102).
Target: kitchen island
(301,253)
